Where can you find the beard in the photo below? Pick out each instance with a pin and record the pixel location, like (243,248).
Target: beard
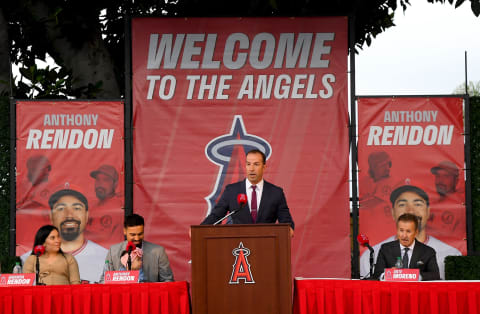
(442,189)
(103,194)
(70,233)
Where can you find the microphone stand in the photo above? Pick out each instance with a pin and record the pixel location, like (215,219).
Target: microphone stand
(229,214)
(129,261)
(371,260)
(37,272)
(226,216)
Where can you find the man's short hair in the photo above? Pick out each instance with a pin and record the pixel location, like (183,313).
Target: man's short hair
(67,191)
(257,151)
(408,217)
(133,220)
(408,188)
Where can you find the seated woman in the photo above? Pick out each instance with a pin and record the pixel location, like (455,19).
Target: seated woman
(56,267)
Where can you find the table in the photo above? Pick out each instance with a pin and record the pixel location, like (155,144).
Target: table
(141,298)
(331,296)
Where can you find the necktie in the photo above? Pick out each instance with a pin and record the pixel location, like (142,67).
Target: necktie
(405,258)
(253,204)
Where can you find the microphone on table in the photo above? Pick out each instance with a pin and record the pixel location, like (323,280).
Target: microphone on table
(130,247)
(242,202)
(38,251)
(363,240)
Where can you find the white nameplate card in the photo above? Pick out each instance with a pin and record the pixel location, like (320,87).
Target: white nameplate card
(402,274)
(122,276)
(17,280)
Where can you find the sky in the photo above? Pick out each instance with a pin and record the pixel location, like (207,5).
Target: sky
(424,54)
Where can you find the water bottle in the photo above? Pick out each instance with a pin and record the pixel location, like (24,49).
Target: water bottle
(17,269)
(106,267)
(398,263)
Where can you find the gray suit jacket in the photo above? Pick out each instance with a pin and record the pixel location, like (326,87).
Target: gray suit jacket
(156,267)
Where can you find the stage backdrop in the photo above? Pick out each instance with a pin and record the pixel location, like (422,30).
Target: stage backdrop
(206,90)
(417,141)
(69,144)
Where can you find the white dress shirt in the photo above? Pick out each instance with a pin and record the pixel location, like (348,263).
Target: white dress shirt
(409,253)
(258,190)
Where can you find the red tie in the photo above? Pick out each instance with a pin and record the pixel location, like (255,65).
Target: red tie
(253,204)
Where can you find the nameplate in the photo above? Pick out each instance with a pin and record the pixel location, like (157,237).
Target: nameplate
(402,274)
(17,280)
(121,276)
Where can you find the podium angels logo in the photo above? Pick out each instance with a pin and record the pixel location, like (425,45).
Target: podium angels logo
(241,267)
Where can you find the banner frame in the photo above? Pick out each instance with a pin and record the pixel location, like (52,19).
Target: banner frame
(128,114)
(13,187)
(355,265)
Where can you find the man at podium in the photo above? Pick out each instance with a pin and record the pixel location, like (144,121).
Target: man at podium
(413,254)
(266,202)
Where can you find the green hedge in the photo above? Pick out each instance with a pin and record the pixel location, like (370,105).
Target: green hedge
(468,267)
(475,164)
(462,268)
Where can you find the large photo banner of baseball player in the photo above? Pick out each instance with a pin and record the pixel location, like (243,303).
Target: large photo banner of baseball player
(208,90)
(70,173)
(419,142)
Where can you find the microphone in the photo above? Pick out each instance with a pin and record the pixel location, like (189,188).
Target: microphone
(363,240)
(39,250)
(130,247)
(241,200)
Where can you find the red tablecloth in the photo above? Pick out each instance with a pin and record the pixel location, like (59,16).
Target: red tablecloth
(327,296)
(143,298)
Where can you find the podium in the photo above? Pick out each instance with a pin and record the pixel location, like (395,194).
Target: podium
(241,269)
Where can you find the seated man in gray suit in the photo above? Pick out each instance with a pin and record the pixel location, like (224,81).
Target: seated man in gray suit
(153,264)
(413,253)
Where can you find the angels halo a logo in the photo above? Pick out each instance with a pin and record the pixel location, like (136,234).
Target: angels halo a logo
(241,267)
(228,151)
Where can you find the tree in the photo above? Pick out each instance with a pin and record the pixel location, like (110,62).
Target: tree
(473,89)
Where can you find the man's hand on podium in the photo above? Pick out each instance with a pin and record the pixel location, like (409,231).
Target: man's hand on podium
(291,232)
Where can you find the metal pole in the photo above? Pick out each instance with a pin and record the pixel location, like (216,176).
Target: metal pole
(128,115)
(466,70)
(353,143)
(13,209)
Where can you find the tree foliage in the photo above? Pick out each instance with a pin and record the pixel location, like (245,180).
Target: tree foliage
(473,89)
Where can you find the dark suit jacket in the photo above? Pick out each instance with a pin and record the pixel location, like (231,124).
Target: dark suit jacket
(423,258)
(273,206)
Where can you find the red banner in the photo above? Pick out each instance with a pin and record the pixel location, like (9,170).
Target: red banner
(71,145)
(414,141)
(206,90)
